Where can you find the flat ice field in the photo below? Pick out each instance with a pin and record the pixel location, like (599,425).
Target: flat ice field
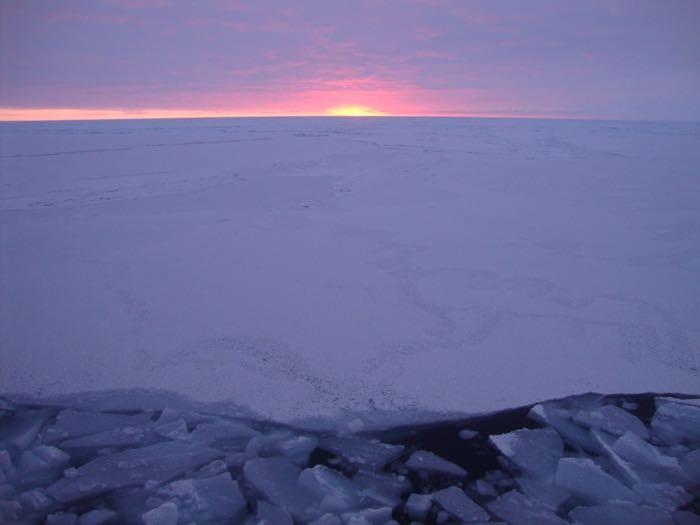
(398,268)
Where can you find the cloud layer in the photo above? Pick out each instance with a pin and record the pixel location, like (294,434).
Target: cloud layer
(595,59)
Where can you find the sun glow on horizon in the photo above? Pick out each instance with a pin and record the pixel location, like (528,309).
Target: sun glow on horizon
(353,111)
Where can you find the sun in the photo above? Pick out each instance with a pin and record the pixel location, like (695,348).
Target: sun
(353,111)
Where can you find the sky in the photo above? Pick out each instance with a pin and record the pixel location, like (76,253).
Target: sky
(600,59)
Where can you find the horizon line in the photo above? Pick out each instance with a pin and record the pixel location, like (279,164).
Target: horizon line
(486,116)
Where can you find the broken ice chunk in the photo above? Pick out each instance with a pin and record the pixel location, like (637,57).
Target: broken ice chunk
(367,517)
(381,489)
(216,467)
(629,473)
(158,463)
(636,450)
(550,496)
(484,488)
(693,401)
(363,453)
(663,495)
(277,480)
(620,513)
(429,463)
(115,438)
(269,514)
(326,519)
(98,517)
(176,429)
(165,514)
(639,452)
(40,466)
(297,448)
(74,423)
(62,518)
(676,422)
(336,492)
(459,505)
(535,452)
(7,469)
(223,435)
(560,420)
(37,500)
(216,498)
(417,506)
(590,483)
(612,419)
(690,464)
(19,432)
(518,509)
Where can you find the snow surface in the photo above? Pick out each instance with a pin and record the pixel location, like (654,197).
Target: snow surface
(324,267)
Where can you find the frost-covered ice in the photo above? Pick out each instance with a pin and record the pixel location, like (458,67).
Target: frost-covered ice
(306,267)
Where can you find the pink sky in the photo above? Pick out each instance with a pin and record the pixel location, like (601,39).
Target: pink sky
(618,59)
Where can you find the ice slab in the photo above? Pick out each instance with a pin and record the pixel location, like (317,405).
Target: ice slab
(223,435)
(657,465)
(269,514)
(459,505)
(432,464)
(620,514)
(375,516)
(690,463)
(125,437)
(176,429)
(629,473)
(585,480)
(335,492)
(517,509)
(484,488)
(535,452)
(560,420)
(76,423)
(663,495)
(40,466)
(675,422)
(363,453)
(165,514)
(383,489)
(21,430)
(327,519)
(211,499)
(64,518)
(612,419)
(692,401)
(157,463)
(37,501)
(418,505)
(547,494)
(277,479)
(296,447)
(99,517)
